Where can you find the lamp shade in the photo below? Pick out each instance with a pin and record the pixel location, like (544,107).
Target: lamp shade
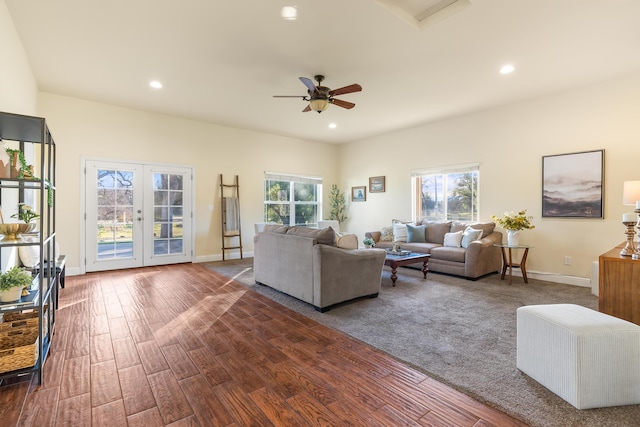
(319,104)
(631,192)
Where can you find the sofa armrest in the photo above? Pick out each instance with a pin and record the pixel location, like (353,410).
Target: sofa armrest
(375,235)
(482,256)
(344,274)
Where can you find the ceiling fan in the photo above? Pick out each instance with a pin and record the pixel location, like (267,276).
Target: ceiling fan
(319,97)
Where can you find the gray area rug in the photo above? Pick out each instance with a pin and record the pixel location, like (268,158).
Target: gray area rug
(460,332)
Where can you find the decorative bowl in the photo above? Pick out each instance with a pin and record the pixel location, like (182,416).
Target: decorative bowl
(14,230)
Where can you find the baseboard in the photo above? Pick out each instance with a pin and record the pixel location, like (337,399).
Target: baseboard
(73,271)
(556,278)
(218,257)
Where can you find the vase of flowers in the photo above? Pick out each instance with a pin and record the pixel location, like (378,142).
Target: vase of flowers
(514,223)
(368,243)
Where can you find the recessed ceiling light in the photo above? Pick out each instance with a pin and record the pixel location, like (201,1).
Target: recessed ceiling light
(507,69)
(332,125)
(155,84)
(289,13)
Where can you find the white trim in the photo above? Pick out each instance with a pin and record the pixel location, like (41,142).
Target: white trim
(556,278)
(305,179)
(443,170)
(218,257)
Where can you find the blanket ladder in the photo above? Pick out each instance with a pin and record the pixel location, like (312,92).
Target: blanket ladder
(230,211)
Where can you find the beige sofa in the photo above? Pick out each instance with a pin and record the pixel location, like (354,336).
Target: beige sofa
(306,264)
(454,249)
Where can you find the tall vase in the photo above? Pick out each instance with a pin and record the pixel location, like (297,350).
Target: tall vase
(513,237)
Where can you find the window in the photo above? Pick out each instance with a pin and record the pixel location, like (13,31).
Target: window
(292,200)
(448,193)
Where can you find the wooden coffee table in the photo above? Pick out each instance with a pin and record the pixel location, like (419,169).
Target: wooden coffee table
(395,261)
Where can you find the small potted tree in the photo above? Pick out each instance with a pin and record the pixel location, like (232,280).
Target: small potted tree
(12,282)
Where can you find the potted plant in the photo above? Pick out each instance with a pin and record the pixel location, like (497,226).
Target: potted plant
(368,243)
(338,204)
(514,223)
(12,282)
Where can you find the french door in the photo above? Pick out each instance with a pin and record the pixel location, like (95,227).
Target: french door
(137,215)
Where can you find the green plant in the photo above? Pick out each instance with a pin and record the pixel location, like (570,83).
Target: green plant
(49,192)
(25,213)
(14,277)
(511,221)
(369,242)
(24,166)
(338,204)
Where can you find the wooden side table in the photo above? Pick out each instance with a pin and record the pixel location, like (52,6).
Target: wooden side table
(507,261)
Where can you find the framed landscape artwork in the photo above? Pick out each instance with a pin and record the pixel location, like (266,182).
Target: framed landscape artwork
(376,184)
(572,185)
(359,194)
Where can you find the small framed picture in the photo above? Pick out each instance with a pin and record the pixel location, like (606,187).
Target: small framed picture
(376,184)
(359,194)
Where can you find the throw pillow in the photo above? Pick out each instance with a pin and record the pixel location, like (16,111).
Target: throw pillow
(469,235)
(453,239)
(399,232)
(416,233)
(347,241)
(386,234)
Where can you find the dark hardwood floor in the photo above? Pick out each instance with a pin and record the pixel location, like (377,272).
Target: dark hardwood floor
(183,346)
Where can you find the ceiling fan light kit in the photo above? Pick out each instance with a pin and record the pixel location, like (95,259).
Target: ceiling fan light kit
(321,96)
(319,105)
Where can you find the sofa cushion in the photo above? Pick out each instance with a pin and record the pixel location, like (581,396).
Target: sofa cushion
(486,227)
(399,232)
(453,239)
(386,234)
(437,230)
(420,248)
(325,236)
(446,253)
(275,228)
(416,233)
(469,235)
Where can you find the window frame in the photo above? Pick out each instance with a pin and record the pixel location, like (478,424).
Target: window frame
(292,203)
(416,190)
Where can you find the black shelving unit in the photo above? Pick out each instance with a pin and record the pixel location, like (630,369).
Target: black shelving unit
(20,131)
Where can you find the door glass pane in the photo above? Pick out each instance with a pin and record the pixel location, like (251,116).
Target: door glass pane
(115,214)
(168,221)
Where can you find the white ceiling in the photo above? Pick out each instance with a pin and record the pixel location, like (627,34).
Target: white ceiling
(221,61)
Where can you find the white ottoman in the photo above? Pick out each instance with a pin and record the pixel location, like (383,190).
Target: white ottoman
(588,358)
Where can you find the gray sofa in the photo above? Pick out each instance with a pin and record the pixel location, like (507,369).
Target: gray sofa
(306,264)
(478,258)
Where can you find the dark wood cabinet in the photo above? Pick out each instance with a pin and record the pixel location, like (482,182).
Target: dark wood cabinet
(619,287)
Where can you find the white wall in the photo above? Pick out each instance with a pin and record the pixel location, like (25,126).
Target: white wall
(509,143)
(18,94)
(84,128)
(18,88)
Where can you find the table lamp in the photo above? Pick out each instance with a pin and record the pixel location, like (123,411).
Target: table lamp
(631,197)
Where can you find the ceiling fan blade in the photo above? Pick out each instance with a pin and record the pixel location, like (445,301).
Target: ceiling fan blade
(347,89)
(290,96)
(306,109)
(343,104)
(308,83)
